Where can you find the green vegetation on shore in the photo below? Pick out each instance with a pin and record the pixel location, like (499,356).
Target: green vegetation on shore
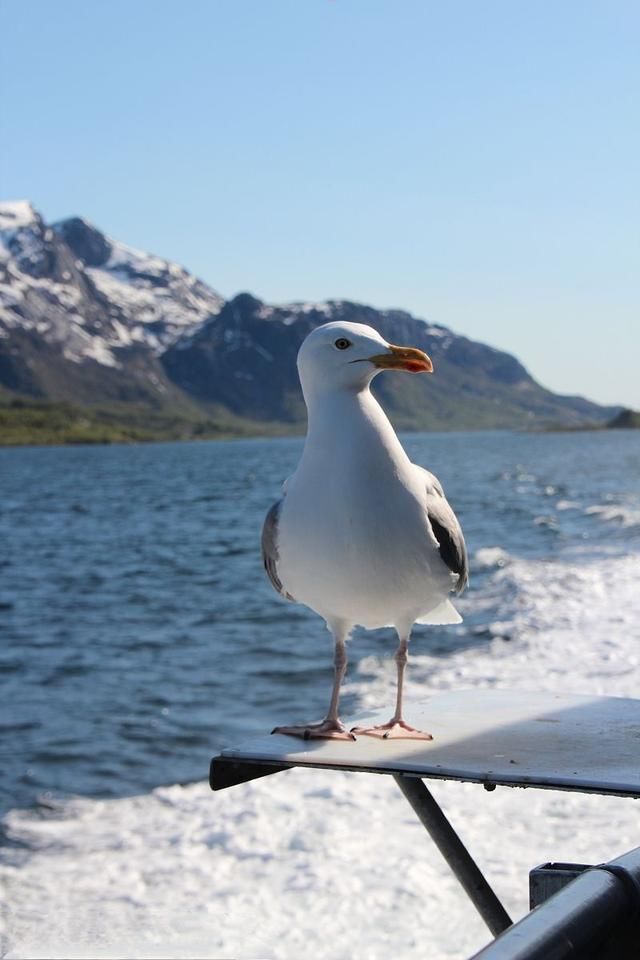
(626,420)
(27,422)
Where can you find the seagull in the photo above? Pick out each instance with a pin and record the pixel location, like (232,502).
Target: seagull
(361,535)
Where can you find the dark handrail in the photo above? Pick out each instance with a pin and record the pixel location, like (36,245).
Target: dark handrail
(581,920)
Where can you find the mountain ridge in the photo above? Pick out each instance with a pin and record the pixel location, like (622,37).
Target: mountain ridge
(88,320)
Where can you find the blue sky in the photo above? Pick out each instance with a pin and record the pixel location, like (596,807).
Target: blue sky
(475,163)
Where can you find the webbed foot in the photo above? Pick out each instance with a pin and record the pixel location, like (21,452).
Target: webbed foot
(393,730)
(325,730)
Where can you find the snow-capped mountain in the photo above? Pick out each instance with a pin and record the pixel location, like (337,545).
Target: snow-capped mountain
(87,319)
(71,295)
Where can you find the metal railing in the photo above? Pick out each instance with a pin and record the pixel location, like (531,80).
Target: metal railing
(595,917)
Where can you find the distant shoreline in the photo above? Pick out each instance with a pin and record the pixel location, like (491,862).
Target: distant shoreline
(34,423)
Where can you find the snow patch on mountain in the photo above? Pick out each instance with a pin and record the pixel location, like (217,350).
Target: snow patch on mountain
(327,307)
(91,297)
(17,213)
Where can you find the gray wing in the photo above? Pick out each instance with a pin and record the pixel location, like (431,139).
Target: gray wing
(270,549)
(447,531)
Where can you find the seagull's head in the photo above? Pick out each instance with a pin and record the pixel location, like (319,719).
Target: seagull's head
(349,355)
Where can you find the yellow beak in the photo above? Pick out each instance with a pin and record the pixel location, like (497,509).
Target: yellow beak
(403,358)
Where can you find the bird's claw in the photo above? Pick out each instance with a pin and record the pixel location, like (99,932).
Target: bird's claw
(326,730)
(393,730)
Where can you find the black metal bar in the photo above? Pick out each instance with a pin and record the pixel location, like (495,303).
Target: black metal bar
(455,853)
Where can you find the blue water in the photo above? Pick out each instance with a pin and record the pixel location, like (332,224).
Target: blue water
(139,633)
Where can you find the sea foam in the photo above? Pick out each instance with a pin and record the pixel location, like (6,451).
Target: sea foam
(335,865)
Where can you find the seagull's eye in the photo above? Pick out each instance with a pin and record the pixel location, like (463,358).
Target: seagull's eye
(342,343)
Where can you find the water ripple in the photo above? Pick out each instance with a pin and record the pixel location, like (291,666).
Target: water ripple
(139,632)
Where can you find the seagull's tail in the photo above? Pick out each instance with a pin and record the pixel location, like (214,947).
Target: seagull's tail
(445,612)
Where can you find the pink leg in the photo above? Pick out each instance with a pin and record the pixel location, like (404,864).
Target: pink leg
(332,727)
(396,728)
